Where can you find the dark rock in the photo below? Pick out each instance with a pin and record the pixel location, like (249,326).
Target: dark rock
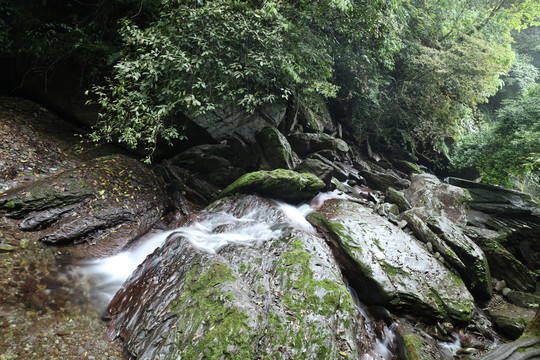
(527,348)
(476,273)
(414,344)
(510,320)
(249,154)
(105,204)
(523,299)
(316,119)
(397,197)
(512,212)
(407,167)
(191,184)
(493,199)
(215,163)
(282,299)
(309,143)
(318,168)
(389,266)
(383,180)
(502,263)
(438,199)
(276,150)
(225,123)
(337,171)
(204,158)
(282,184)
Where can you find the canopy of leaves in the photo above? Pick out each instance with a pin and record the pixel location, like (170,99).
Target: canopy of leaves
(508,148)
(452,57)
(201,55)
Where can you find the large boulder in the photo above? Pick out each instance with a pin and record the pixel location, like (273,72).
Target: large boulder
(389,266)
(281,299)
(282,184)
(493,199)
(104,203)
(414,344)
(439,199)
(512,212)
(527,347)
(316,118)
(309,143)
(503,264)
(276,150)
(318,168)
(223,124)
(476,273)
(451,243)
(384,179)
(215,163)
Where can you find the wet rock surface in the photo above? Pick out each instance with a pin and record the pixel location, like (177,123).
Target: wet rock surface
(435,198)
(415,344)
(281,299)
(390,267)
(104,203)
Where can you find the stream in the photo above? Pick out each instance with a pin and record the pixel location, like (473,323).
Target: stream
(211,233)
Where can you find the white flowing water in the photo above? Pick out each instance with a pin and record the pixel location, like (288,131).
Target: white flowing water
(383,343)
(209,235)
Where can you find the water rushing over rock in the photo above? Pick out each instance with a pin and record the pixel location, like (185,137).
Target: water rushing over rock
(284,298)
(211,231)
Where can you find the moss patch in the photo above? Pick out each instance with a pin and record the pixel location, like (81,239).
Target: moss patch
(283,184)
(210,328)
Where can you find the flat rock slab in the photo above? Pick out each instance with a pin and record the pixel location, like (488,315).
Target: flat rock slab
(388,267)
(103,204)
(282,299)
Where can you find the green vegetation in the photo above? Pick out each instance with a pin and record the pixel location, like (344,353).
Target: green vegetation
(508,146)
(404,75)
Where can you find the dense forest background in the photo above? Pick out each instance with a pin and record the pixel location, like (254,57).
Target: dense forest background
(450,82)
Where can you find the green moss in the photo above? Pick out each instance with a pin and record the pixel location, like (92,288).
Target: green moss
(10,204)
(206,317)
(321,297)
(281,183)
(451,253)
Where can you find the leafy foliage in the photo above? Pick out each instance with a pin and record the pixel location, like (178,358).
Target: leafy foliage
(452,57)
(199,56)
(508,148)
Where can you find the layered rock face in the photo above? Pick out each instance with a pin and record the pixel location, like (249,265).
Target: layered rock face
(430,257)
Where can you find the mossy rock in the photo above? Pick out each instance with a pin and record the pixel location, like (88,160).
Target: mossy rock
(276,149)
(414,344)
(503,265)
(283,299)
(510,320)
(281,184)
(397,197)
(390,266)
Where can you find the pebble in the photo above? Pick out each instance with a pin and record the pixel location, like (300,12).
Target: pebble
(24,243)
